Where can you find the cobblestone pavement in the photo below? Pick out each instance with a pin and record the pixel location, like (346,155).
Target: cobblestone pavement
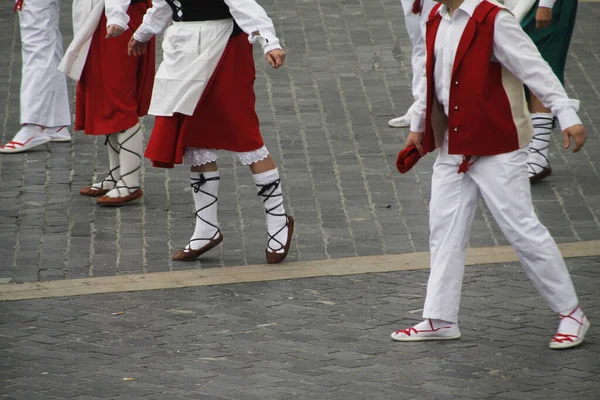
(320,338)
(324,117)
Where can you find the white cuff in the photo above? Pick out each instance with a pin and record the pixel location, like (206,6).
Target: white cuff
(267,43)
(142,35)
(567,117)
(122,21)
(417,123)
(547,3)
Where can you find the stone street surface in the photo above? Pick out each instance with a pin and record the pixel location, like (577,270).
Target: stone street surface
(324,118)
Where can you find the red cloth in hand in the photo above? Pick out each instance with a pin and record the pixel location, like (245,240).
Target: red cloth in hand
(407,158)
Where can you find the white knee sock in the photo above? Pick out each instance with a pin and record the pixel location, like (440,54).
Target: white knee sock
(108,183)
(131,142)
(537,160)
(269,188)
(205,187)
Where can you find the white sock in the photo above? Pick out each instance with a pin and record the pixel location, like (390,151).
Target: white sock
(537,160)
(269,188)
(108,183)
(571,322)
(205,186)
(430,324)
(131,142)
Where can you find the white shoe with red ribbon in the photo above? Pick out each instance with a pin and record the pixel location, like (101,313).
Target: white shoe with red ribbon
(428,330)
(571,330)
(28,137)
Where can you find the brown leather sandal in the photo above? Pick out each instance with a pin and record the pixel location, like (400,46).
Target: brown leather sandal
(272,256)
(191,255)
(119,201)
(92,192)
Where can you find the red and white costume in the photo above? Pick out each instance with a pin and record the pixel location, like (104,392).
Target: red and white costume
(113,89)
(475,111)
(193,99)
(204,101)
(44,102)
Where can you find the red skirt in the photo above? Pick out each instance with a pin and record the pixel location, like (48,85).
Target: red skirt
(115,89)
(225,117)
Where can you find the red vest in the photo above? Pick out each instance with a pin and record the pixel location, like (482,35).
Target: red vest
(480,121)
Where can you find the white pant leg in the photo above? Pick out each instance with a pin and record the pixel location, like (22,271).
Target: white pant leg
(44,98)
(451,212)
(504,185)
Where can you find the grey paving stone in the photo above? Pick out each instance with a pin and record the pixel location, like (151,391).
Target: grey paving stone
(324,119)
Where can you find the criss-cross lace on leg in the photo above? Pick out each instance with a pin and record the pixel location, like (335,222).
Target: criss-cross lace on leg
(205,220)
(130,160)
(113,176)
(537,161)
(273,200)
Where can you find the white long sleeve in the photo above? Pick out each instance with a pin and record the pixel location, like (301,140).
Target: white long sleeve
(254,21)
(155,22)
(517,52)
(116,13)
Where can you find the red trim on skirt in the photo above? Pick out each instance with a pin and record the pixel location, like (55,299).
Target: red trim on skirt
(225,117)
(115,89)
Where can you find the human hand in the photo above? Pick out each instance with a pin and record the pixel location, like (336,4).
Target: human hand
(577,132)
(276,58)
(416,139)
(543,17)
(114,31)
(135,48)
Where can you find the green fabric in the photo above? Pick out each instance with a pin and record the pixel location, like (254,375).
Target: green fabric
(553,41)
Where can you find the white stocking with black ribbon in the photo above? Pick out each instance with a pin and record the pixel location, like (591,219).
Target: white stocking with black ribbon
(537,160)
(114,174)
(205,186)
(269,188)
(131,143)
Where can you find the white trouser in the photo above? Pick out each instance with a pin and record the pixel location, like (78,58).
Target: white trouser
(503,182)
(44,98)
(414,27)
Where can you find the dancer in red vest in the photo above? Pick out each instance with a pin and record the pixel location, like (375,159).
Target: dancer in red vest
(204,101)
(113,90)
(478,58)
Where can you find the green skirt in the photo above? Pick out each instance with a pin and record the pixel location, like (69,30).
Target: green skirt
(553,41)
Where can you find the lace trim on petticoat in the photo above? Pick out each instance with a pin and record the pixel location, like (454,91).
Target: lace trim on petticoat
(250,157)
(196,157)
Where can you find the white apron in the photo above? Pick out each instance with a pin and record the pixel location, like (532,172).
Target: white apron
(86,16)
(191,53)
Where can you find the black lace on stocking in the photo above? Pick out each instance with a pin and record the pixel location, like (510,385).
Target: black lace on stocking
(540,123)
(110,177)
(196,185)
(267,192)
(130,189)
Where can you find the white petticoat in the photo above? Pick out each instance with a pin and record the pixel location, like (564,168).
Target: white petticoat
(195,157)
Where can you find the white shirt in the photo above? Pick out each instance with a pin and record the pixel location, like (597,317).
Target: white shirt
(249,16)
(512,48)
